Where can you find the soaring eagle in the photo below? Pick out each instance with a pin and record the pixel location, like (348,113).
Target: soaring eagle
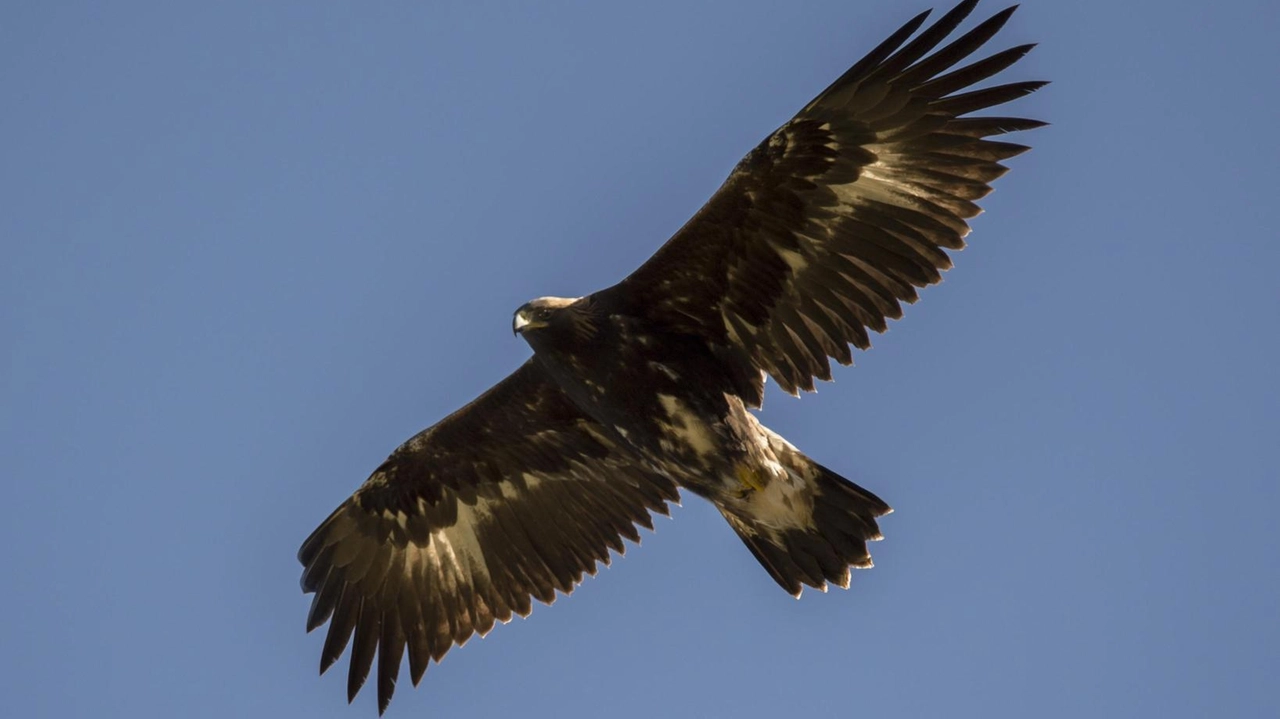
(816,238)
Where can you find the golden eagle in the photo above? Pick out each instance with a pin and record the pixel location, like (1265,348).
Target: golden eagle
(816,237)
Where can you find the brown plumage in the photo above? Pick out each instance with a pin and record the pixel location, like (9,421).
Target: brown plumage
(815,239)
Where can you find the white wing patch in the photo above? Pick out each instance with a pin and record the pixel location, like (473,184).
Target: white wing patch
(460,542)
(455,551)
(451,552)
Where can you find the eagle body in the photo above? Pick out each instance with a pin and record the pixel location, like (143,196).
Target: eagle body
(677,405)
(631,379)
(815,240)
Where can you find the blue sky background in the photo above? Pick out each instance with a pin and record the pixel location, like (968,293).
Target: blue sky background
(250,247)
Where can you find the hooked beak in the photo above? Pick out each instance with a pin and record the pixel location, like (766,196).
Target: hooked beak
(524,321)
(519,323)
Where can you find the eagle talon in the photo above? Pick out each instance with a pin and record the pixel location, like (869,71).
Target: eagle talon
(750,479)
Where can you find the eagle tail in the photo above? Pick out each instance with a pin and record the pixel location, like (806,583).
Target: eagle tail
(821,533)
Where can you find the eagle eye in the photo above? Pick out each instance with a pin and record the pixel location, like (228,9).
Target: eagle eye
(542,313)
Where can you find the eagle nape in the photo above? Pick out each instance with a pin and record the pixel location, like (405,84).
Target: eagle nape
(633,392)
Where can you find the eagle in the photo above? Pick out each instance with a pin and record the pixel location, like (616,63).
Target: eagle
(816,238)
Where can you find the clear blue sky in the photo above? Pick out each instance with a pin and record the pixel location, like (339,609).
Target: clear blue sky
(250,247)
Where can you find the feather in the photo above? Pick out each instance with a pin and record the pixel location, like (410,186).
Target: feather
(456,531)
(871,182)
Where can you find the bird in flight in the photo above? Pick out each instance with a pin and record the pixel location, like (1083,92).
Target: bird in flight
(815,239)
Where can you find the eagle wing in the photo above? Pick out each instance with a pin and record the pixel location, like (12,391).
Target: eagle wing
(838,216)
(514,496)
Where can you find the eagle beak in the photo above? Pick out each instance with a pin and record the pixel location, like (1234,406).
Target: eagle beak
(519,323)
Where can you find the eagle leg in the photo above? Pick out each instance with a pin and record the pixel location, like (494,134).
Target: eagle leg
(750,479)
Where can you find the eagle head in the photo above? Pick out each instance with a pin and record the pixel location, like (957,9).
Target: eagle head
(540,313)
(552,318)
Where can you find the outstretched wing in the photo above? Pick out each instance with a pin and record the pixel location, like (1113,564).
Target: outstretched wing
(838,216)
(514,496)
